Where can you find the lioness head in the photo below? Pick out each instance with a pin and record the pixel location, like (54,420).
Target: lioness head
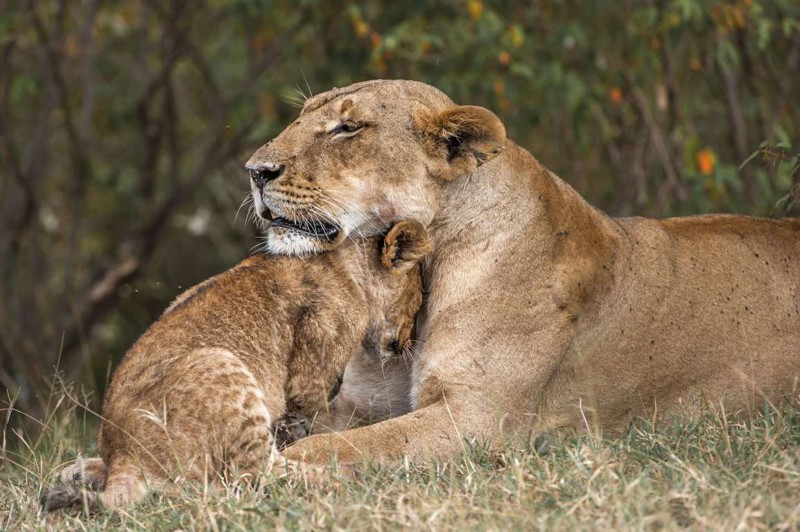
(362,157)
(391,328)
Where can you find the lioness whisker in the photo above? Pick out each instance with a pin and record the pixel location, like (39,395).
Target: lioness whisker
(247,197)
(345,207)
(308,85)
(329,216)
(293,100)
(259,246)
(344,212)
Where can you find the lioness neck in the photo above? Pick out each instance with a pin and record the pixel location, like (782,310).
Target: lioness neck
(538,211)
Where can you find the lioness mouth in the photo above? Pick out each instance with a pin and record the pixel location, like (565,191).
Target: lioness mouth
(315,228)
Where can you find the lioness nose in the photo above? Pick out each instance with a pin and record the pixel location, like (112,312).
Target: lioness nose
(262,173)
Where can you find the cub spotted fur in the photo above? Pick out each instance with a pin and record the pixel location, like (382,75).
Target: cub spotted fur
(196,395)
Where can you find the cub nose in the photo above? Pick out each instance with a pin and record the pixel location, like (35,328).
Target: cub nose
(263,173)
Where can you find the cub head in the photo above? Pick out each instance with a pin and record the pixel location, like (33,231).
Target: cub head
(359,158)
(397,290)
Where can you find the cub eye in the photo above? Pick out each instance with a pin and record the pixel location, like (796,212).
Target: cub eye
(346,129)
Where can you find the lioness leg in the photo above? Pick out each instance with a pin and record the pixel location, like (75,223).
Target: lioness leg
(372,390)
(505,400)
(431,432)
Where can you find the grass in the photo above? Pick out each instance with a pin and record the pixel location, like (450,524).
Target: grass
(712,473)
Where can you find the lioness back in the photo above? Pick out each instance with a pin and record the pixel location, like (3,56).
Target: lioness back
(721,292)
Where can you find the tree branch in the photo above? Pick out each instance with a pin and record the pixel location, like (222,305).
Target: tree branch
(673,182)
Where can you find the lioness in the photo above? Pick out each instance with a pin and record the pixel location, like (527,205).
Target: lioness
(197,393)
(542,311)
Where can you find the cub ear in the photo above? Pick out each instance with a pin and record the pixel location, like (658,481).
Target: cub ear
(405,244)
(466,136)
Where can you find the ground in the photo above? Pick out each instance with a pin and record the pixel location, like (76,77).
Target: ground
(716,473)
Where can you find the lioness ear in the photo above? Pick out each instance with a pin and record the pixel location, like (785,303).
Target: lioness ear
(405,244)
(467,136)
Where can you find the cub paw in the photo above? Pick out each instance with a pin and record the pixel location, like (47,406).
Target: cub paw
(289,428)
(90,472)
(67,496)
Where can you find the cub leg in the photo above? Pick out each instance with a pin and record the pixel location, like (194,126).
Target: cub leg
(90,472)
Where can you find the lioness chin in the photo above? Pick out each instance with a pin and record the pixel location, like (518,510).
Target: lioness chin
(195,397)
(542,311)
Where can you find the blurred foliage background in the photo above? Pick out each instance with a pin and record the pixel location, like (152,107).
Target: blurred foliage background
(124,126)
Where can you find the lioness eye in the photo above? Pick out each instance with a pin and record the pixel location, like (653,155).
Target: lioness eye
(346,128)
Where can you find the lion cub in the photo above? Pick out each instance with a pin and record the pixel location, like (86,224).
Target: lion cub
(195,397)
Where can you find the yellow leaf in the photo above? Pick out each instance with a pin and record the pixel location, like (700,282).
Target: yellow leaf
(360,27)
(517,38)
(475,8)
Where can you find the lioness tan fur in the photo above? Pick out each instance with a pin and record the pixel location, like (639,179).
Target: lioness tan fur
(372,390)
(196,395)
(542,311)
